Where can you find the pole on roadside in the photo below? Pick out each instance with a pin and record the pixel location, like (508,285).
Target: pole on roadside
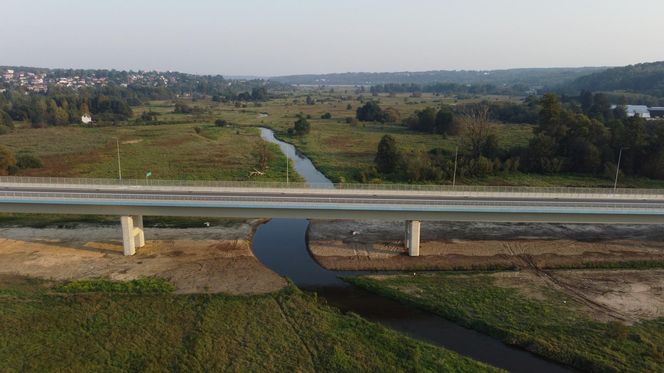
(615,183)
(456,157)
(117,143)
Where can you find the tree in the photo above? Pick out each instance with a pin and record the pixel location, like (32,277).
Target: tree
(369,112)
(262,156)
(477,133)
(259,94)
(550,122)
(6,120)
(444,122)
(391,115)
(301,126)
(586,99)
(387,157)
(7,160)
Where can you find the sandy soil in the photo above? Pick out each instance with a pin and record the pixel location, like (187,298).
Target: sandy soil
(215,259)
(379,245)
(626,295)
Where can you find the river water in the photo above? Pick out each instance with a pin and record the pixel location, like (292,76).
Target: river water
(281,245)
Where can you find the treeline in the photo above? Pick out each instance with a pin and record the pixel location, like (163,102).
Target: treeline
(645,78)
(64,106)
(449,88)
(585,137)
(442,120)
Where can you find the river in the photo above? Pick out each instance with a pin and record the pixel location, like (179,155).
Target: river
(281,245)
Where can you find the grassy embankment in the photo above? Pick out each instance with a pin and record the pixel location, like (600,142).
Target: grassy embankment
(139,326)
(553,326)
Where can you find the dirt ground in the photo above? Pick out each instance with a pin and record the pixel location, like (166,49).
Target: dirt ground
(378,245)
(626,295)
(214,259)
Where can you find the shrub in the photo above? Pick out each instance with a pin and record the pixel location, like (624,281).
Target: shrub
(27,160)
(151,285)
(326,116)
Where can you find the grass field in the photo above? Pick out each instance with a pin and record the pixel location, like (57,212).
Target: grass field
(170,151)
(100,326)
(548,326)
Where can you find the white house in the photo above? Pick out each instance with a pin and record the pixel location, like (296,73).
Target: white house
(86,119)
(640,110)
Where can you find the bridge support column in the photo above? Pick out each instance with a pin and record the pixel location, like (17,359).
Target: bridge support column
(413,237)
(132,233)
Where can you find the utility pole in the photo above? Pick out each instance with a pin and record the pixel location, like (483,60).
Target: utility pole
(456,157)
(117,143)
(615,183)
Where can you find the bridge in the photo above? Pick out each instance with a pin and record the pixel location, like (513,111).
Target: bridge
(132,199)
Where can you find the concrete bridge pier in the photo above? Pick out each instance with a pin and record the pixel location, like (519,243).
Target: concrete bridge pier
(413,237)
(132,233)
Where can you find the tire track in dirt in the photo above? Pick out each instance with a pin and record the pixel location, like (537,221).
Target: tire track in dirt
(525,262)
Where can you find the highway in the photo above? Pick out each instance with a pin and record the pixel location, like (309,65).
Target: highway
(502,205)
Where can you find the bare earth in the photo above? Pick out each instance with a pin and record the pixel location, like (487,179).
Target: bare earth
(626,295)
(196,260)
(366,245)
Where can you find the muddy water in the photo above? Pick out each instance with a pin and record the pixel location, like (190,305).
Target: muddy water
(281,245)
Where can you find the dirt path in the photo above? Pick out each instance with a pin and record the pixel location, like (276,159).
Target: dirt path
(215,259)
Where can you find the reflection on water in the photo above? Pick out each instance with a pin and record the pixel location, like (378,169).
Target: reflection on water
(302,164)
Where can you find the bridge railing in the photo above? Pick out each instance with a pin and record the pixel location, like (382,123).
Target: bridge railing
(49,181)
(313,202)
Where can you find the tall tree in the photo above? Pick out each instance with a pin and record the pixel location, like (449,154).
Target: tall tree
(387,156)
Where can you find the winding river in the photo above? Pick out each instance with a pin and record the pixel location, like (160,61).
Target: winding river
(281,245)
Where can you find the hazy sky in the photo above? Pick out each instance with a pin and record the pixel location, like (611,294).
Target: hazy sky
(277,37)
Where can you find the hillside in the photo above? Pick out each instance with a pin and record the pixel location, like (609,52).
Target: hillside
(537,77)
(645,78)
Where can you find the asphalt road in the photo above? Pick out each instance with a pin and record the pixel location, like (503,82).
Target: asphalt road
(322,197)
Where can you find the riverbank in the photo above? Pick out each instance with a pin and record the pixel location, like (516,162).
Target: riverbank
(196,260)
(377,245)
(609,321)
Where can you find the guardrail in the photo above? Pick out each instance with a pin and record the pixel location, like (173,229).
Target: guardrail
(339,186)
(279,201)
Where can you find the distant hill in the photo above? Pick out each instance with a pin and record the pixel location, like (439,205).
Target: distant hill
(644,78)
(530,78)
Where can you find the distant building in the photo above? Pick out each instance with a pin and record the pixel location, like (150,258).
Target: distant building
(656,112)
(640,110)
(86,119)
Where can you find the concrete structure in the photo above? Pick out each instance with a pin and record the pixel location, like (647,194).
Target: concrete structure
(132,199)
(412,238)
(132,233)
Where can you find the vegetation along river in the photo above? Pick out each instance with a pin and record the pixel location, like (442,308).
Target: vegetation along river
(281,245)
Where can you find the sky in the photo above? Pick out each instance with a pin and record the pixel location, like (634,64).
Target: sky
(282,37)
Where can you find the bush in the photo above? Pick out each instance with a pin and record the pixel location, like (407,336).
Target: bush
(616,330)
(220,123)
(152,285)
(26,160)
(197,129)
(326,116)
(7,161)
